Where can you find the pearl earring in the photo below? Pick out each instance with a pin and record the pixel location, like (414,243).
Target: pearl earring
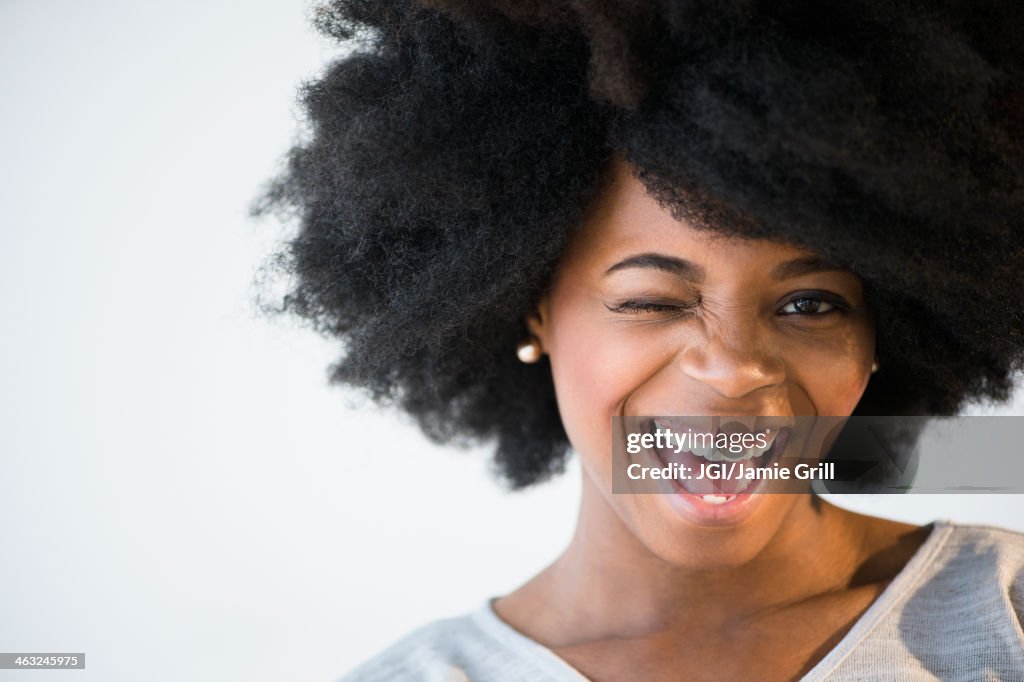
(874,366)
(528,350)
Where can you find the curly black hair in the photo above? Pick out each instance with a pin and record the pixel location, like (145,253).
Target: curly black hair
(453,150)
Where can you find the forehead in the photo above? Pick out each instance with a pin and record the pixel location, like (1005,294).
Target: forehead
(626,219)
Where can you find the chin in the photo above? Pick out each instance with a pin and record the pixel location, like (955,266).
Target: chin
(713,545)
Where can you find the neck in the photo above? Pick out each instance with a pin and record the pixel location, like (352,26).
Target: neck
(608,583)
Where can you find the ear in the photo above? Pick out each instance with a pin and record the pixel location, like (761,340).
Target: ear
(538,322)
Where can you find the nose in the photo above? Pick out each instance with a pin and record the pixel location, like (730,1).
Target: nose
(735,361)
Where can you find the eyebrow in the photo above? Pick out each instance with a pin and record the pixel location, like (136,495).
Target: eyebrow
(670,264)
(686,269)
(803,266)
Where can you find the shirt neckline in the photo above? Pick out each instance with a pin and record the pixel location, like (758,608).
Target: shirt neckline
(903,582)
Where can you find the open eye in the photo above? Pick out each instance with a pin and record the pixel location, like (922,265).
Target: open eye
(809,304)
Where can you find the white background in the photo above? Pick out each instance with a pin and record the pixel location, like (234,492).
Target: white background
(181,494)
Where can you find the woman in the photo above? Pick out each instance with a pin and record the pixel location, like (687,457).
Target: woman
(524,220)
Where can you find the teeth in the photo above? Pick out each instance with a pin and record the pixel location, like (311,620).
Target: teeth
(737,456)
(713,454)
(697,488)
(769,441)
(704,451)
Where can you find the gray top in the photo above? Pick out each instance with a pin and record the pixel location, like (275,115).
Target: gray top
(954,612)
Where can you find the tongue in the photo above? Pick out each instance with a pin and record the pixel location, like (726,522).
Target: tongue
(721,486)
(731,486)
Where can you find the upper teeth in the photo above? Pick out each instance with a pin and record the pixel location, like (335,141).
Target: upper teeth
(714,454)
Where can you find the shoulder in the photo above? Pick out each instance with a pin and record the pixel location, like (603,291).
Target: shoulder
(978,556)
(976,571)
(473,646)
(984,546)
(954,613)
(435,651)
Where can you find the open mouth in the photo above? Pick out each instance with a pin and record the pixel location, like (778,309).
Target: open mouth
(720,475)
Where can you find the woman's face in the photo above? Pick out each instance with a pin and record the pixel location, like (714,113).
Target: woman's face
(648,316)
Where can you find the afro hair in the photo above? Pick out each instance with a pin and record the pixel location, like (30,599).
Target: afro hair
(454,148)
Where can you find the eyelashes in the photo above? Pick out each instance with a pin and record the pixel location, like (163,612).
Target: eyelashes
(807,305)
(804,304)
(636,306)
(815,304)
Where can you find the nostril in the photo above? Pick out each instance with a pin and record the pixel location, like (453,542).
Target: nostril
(737,382)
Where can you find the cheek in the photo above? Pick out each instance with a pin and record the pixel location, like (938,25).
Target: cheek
(595,370)
(835,373)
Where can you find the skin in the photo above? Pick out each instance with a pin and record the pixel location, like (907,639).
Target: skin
(643,592)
